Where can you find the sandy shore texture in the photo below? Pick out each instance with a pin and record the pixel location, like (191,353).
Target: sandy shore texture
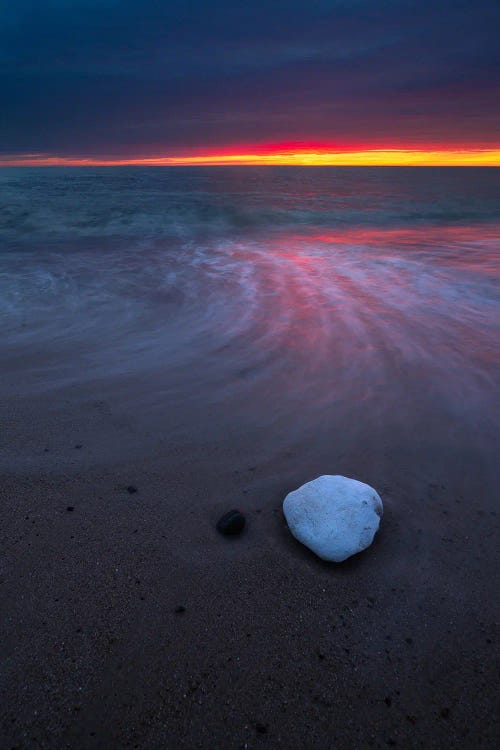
(128,622)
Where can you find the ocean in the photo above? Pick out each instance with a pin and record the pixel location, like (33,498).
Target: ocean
(296,300)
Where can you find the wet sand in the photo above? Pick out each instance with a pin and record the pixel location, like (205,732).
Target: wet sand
(275,648)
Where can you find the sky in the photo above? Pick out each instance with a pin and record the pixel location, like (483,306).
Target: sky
(127,80)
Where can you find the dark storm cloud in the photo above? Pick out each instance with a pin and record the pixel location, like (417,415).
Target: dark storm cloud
(111,76)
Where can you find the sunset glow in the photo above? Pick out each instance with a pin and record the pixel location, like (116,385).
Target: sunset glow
(263,156)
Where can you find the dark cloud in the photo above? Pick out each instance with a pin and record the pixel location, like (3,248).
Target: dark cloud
(118,76)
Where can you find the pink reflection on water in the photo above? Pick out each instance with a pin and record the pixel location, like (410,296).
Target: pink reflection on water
(369,314)
(296,322)
(473,248)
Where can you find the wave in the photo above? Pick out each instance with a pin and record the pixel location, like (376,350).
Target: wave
(196,203)
(309,318)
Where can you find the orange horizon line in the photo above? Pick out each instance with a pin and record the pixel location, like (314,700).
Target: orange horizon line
(300,157)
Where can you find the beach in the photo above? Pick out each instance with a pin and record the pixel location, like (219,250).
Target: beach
(162,367)
(393,647)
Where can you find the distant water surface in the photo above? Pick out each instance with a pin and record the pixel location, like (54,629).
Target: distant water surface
(296,293)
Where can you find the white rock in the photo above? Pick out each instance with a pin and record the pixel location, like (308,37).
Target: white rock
(334,516)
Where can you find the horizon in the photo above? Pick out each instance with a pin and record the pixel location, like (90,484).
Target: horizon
(300,158)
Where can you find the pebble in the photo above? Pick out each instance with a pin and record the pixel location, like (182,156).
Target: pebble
(231,523)
(334,516)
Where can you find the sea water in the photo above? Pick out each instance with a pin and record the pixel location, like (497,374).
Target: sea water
(297,294)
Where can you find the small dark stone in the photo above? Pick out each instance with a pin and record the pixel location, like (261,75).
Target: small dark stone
(70,507)
(180,610)
(45,450)
(261,728)
(445,712)
(231,523)
(409,641)
(388,701)
(131,489)
(78,446)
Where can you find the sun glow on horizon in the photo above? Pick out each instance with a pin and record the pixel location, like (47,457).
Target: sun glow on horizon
(262,156)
